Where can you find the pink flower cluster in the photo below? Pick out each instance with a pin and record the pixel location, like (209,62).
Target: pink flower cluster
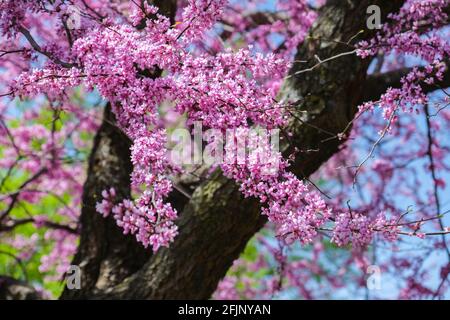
(219,92)
(359,229)
(413,31)
(107,204)
(290,21)
(150,220)
(297,212)
(225,90)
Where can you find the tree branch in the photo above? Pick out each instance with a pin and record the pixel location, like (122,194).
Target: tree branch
(13,289)
(377,84)
(217,222)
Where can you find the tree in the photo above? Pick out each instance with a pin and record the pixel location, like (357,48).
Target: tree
(312,73)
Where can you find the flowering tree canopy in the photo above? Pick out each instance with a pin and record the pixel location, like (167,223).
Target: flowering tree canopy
(326,130)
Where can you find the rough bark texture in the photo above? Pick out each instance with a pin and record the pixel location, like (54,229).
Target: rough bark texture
(105,256)
(217,221)
(13,289)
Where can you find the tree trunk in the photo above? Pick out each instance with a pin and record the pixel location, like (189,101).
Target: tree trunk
(13,289)
(216,223)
